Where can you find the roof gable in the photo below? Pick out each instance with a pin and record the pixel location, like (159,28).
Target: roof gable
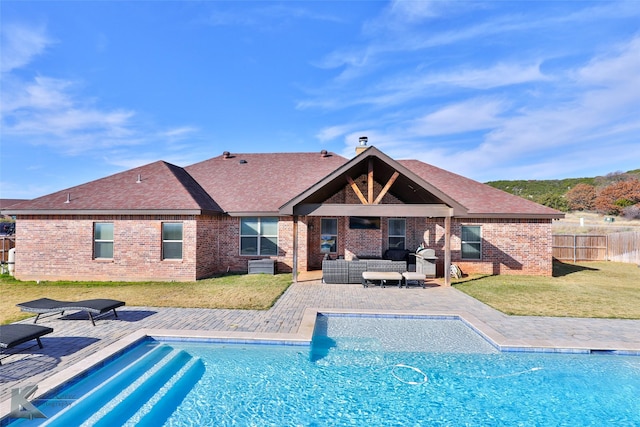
(417,183)
(408,187)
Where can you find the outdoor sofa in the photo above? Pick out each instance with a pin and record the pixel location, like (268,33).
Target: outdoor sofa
(91,306)
(343,271)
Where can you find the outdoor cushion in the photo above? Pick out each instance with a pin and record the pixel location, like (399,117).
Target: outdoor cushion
(16,334)
(91,306)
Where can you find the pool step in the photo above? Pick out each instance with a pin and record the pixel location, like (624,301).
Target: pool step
(106,390)
(160,407)
(122,395)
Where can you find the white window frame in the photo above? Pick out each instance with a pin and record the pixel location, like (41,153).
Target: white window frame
(173,241)
(471,242)
(325,236)
(403,236)
(103,241)
(260,235)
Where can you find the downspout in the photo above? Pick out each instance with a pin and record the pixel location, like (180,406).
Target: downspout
(295,249)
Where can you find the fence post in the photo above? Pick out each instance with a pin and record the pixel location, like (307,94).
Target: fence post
(575,247)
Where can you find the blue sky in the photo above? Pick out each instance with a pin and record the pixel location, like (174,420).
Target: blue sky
(490,90)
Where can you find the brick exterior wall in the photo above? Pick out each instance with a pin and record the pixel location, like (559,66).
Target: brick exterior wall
(61,247)
(509,246)
(222,252)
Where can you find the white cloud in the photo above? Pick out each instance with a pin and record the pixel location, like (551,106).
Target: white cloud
(264,18)
(404,87)
(471,115)
(178,133)
(333,132)
(41,93)
(42,110)
(595,126)
(20,44)
(499,75)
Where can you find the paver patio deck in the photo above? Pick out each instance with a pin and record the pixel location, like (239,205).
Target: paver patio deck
(74,338)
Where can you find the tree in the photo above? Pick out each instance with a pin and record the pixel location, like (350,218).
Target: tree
(612,178)
(612,199)
(554,201)
(582,197)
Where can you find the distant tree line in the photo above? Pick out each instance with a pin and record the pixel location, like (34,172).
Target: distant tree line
(617,193)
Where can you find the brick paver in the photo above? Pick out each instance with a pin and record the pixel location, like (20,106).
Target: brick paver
(74,338)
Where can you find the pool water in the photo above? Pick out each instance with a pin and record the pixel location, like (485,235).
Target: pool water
(379,372)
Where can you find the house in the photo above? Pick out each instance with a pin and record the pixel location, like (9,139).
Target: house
(164,222)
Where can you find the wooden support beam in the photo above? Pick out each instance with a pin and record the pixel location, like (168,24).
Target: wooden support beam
(447,251)
(386,188)
(355,188)
(295,249)
(370,181)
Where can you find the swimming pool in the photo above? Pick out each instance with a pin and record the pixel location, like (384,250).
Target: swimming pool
(358,371)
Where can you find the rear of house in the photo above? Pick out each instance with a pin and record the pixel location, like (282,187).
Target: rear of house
(164,222)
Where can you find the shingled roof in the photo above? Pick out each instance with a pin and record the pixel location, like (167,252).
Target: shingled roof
(481,200)
(158,187)
(262,183)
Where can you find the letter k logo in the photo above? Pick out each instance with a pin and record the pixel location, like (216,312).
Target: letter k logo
(21,407)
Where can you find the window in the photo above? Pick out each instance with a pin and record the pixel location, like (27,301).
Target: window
(172,240)
(397,233)
(103,240)
(329,235)
(471,242)
(259,236)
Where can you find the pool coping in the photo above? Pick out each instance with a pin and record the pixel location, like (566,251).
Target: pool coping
(302,337)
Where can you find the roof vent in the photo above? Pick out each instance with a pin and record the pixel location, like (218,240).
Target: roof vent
(226,155)
(324,153)
(139,180)
(68,198)
(242,162)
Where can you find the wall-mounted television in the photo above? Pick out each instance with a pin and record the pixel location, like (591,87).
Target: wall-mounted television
(364,223)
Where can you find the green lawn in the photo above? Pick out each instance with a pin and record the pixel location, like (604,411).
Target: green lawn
(589,289)
(250,292)
(595,289)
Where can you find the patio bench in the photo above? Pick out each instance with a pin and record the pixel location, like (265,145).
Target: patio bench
(413,277)
(371,277)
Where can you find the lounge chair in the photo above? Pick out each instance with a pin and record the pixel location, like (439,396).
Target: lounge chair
(16,334)
(91,306)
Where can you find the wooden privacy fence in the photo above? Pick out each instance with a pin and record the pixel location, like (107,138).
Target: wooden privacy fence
(620,247)
(6,243)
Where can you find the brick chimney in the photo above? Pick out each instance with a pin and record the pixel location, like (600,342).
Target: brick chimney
(362,145)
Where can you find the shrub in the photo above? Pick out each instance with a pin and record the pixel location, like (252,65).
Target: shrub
(632,212)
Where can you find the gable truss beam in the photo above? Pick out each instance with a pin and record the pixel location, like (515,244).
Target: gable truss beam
(369,199)
(355,188)
(386,188)
(370,181)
